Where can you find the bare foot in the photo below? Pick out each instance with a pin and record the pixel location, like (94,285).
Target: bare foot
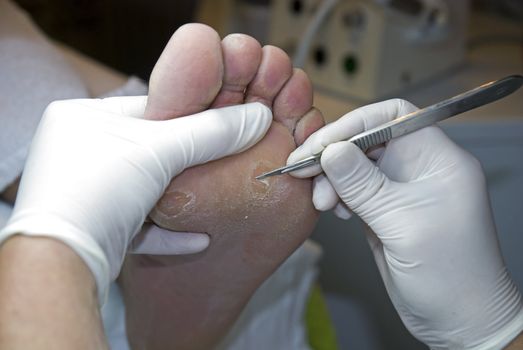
(189,302)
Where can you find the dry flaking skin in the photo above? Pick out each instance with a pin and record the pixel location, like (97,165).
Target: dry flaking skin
(227,189)
(217,197)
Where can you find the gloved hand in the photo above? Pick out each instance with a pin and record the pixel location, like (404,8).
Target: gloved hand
(93,174)
(431,229)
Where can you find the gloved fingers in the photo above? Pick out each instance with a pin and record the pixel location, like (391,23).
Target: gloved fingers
(376,152)
(212,134)
(419,154)
(309,171)
(324,197)
(352,123)
(342,211)
(127,106)
(154,240)
(356,180)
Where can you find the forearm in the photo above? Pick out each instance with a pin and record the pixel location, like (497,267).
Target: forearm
(516,344)
(49,298)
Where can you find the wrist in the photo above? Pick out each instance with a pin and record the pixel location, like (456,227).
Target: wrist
(42,256)
(46,290)
(52,227)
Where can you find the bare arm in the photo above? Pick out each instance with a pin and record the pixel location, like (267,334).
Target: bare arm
(48,297)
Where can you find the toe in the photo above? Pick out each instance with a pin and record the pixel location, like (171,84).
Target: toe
(241,57)
(188,74)
(273,72)
(309,123)
(293,100)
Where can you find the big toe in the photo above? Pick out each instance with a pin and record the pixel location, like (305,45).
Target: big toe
(188,75)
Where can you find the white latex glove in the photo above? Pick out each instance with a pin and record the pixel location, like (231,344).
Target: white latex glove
(431,229)
(93,174)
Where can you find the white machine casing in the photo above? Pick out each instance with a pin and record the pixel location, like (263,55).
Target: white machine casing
(369,50)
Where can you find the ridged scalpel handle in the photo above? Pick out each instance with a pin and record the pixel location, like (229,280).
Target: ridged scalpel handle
(364,142)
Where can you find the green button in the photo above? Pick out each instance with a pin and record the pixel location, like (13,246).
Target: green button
(350,64)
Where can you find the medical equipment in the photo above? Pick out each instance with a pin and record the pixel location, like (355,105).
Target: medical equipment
(367,50)
(361,49)
(461,103)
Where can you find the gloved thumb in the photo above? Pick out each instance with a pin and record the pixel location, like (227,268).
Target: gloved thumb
(358,182)
(213,134)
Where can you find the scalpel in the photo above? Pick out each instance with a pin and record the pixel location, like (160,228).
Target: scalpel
(421,118)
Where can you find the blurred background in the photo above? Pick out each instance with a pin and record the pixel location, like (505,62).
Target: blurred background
(355,52)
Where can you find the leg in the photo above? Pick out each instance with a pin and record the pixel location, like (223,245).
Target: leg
(189,302)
